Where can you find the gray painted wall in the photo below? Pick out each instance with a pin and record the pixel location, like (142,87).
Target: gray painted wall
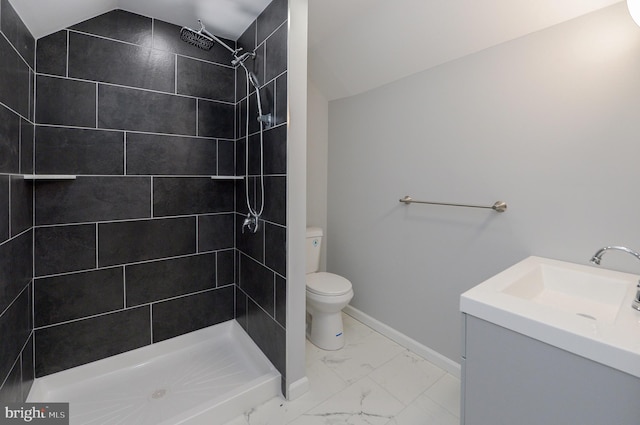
(548,123)
(317,154)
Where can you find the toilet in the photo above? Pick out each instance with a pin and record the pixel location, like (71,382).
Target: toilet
(327,295)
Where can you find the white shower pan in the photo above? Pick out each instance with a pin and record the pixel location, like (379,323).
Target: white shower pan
(207,377)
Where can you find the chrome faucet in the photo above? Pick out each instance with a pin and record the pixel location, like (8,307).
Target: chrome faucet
(597,257)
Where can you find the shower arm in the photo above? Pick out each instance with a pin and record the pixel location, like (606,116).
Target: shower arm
(204,31)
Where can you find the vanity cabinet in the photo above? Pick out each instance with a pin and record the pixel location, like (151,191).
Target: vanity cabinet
(512,379)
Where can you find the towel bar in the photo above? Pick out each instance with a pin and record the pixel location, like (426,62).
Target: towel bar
(498,206)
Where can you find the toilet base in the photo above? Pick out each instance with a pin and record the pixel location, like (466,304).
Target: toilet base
(325,330)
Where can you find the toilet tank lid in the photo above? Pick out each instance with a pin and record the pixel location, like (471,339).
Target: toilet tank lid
(323,283)
(314,232)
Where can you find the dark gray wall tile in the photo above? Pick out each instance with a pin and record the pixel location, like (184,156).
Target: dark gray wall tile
(166,37)
(120,25)
(281,300)
(241,198)
(93,199)
(226,158)
(216,232)
(161,154)
(139,110)
(73,296)
(241,308)
(240,157)
(226,267)
(181,315)
(140,240)
(26,146)
(79,151)
(97,59)
(275,244)
(216,119)
(17,32)
(21,205)
(191,195)
(276,54)
(258,282)
(268,335)
(14,84)
(275,150)
(275,194)
(73,344)
(271,18)
(51,54)
(4,208)
(254,124)
(247,41)
(9,141)
(241,119)
(32,96)
(241,84)
(158,280)
(15,327)
(207,80)
(11,390)
(65,102)
(63,249)
(16,269)
(281,100)
(27,368)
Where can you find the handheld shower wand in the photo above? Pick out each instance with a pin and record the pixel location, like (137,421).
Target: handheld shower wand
(203,39)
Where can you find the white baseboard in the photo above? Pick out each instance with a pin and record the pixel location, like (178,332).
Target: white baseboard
(411,344)
(297,388)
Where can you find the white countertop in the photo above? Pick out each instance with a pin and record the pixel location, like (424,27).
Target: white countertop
(612,338)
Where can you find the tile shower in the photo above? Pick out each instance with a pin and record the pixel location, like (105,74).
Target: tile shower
(143,245)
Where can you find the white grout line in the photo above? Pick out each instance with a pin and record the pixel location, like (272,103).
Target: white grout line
(124,286)
(9,217)
(124,165)
(97,96)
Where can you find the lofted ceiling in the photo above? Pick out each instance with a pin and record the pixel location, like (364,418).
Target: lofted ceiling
(357,45)
(226,18)
(354,45)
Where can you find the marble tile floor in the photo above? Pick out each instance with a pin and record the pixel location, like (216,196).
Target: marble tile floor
(371,381)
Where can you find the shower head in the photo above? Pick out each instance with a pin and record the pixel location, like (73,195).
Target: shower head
(203,39)
(199,38)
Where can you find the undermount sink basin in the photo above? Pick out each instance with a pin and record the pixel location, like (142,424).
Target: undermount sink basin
(582,309)
(571,290)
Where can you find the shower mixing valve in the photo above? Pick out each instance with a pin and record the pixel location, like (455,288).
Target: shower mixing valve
(250,222)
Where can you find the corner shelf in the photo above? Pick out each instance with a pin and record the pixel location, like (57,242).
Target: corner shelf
(51,177)
(48,177)
(227,177)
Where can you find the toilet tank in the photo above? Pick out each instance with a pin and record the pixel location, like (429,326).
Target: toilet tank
(314,243)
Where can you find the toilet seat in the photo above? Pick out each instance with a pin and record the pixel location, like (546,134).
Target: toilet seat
(323,283)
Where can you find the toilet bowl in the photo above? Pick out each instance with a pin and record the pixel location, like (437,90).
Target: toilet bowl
(327,294)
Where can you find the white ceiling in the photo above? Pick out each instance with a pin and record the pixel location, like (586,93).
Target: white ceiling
(354,45)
